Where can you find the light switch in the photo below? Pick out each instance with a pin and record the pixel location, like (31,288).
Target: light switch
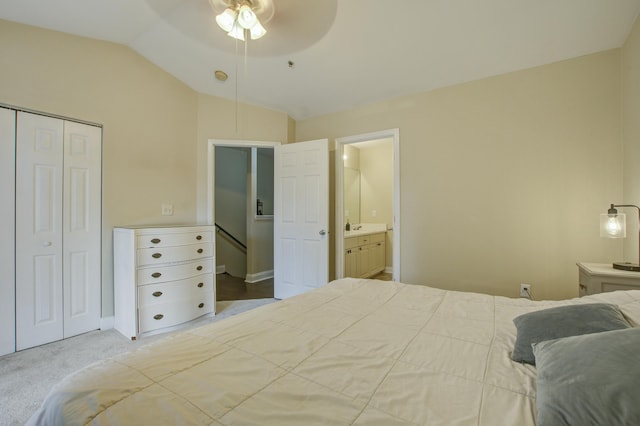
(374,213)
(167,209)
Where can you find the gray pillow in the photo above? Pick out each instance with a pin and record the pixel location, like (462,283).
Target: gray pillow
(591,379)
(563,321)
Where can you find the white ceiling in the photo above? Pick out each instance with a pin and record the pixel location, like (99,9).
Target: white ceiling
(347,53)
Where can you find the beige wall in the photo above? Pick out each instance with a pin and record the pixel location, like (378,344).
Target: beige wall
(149,121)
(631,137)
(503,179)
(376,167)
(216,120)
(155,127)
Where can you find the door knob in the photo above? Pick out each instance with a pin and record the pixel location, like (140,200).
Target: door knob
(322,232)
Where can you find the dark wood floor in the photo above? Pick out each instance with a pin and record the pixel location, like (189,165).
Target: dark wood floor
(234,288)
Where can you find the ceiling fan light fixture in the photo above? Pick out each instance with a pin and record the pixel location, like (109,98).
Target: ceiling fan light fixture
(236,32)
(226,19)
(246,17)
(236,16)
(257,31)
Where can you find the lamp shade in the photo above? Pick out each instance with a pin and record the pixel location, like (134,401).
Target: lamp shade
(246,18)
(236,32)
(613,225)
(226,20)
(257,31)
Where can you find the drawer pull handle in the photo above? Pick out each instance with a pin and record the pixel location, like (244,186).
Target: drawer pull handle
(199,237)
(155,240)
(158,317)
(200,250)
(199,268)
(200,285)
(201,305)
(157,293)
(156,275)
(156,255)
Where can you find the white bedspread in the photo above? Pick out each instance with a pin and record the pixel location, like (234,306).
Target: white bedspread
(358,352)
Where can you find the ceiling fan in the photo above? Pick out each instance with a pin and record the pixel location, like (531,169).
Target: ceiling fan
(239,18)
(291,25)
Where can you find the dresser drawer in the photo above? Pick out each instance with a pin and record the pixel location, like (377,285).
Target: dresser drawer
(160,274)
(161,315)
(174,239)
(192,288)
(158,255)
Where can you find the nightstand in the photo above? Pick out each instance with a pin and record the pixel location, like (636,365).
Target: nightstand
(601,277)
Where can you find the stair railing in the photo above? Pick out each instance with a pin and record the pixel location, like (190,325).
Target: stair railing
(234,239)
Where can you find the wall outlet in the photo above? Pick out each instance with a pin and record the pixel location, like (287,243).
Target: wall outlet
(525,291)
(167,209)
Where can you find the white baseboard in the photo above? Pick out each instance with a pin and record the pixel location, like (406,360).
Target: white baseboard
(221,269)
(107,323)
(388,270)
(254,278)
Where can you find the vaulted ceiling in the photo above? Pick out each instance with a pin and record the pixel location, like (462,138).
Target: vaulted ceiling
(323,56)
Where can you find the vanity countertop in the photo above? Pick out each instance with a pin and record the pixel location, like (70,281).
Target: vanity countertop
(366,229)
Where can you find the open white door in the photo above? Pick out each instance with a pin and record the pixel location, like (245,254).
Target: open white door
(301,217)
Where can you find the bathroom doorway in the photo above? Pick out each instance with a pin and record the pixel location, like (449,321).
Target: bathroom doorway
(368,199)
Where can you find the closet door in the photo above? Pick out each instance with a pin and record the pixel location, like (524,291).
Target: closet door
(82,228)
(39,157)
(7,230)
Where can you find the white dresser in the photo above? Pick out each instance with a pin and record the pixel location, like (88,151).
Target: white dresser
(163,276)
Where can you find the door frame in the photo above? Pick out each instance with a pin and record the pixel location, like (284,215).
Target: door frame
(394,135)
(211,172)
(211,175)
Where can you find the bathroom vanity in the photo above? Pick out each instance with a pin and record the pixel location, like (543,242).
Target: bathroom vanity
(364,252)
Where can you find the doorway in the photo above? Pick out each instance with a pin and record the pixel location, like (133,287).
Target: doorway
(357,196)
(240,182)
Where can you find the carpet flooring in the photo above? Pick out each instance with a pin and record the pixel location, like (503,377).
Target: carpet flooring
(27,376)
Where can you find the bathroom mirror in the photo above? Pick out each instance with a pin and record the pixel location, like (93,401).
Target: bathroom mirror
(351,195)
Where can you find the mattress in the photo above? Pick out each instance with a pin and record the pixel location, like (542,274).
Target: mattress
(354,352)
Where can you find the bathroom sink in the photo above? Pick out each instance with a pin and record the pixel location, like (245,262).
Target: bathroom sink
(365,229)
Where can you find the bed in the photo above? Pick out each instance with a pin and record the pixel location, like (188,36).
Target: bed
(354,352)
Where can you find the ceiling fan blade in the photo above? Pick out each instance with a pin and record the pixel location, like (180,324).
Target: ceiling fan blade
(219,6)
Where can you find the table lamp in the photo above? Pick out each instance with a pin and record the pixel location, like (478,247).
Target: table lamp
(614,225)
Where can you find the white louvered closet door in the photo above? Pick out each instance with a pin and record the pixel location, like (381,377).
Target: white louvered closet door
(57,229)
